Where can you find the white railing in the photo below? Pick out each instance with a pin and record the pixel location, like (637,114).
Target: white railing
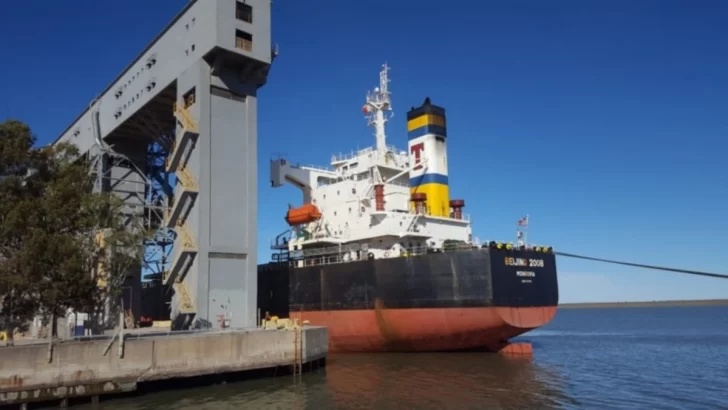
(326,257)
(318,168)
(395,183)
(353,154)
(333,250)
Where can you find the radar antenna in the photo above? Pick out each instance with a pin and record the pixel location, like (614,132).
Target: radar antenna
(377,103)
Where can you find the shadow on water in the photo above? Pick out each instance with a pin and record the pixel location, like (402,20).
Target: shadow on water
(382,381)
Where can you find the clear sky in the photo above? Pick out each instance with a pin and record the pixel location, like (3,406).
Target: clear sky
(606,121)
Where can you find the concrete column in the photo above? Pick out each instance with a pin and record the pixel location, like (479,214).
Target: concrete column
(223,277)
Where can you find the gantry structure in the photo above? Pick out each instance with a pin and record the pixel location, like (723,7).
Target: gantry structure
(175,136)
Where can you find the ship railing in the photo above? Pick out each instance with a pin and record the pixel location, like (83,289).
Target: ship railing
(423,249)
(333,250)
(280,257)
(395,183)
(317,168)
(428,212)
(353,154)
(326,256)
(408,251)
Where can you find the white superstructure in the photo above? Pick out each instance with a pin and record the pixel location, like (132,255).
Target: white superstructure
(365,198)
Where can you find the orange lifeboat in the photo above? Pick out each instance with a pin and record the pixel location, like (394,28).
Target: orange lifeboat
(303,214)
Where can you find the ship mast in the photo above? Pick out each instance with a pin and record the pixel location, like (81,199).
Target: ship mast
(377,103)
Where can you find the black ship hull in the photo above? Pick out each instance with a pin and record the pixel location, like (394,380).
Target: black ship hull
(464,299)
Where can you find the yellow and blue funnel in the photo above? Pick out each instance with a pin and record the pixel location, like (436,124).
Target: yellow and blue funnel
(427,131)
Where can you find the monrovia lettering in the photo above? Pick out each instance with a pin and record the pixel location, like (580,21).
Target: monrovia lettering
(528,274)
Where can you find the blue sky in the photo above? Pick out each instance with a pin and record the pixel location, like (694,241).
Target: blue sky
(606,121)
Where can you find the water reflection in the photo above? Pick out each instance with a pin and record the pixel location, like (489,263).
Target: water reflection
(382,381)
(436,381)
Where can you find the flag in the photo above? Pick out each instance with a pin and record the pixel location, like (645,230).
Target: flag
(523,221)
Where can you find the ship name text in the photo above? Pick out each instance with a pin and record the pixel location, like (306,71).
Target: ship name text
(527,274)
(533,263)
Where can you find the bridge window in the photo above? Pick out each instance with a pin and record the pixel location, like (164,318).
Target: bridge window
(243,12)
(243,40)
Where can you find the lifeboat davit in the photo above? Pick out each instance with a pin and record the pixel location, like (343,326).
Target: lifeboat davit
(303,214)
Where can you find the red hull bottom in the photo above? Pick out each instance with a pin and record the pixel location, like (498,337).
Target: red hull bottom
(430,329)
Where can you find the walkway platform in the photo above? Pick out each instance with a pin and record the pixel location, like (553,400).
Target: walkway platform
(36,373)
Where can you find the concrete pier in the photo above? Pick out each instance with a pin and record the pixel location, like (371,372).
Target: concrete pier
(37,373)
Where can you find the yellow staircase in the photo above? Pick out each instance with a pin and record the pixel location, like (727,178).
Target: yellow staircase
(187,189)
(185,305)
(187,181)
(184,248)
(185,118)
(188,129)
(187,186)
(101,272)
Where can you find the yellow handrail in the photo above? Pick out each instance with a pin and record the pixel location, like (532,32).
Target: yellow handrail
(186,178)
(185,118)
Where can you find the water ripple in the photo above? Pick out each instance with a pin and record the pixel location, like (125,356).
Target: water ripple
(585,359)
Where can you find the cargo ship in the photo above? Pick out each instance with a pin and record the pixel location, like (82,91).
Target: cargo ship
(380,254)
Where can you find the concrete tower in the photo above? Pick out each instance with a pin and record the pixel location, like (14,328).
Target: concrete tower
(426,129)
(191,98)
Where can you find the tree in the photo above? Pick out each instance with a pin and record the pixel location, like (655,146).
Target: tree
(17,196)
(51,259)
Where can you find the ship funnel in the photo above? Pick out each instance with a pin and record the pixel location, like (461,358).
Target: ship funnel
(427,133)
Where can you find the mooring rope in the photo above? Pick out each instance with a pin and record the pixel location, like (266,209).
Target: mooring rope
(639,265)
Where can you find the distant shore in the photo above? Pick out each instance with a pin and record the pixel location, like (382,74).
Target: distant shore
(664,303)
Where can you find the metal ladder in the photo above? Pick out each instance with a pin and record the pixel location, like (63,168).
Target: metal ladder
(297,352)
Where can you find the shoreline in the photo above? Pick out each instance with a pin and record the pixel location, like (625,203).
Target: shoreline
(657,303)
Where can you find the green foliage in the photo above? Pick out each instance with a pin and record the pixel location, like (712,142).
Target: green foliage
(49,218)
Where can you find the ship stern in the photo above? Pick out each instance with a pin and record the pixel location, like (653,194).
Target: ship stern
(525,287)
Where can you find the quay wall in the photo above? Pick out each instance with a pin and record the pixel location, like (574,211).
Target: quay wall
(81,368)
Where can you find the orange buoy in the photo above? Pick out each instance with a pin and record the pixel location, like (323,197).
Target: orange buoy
(303,214)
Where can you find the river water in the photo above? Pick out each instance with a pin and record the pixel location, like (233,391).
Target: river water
(611,358)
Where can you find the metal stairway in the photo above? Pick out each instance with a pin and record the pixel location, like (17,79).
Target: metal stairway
(185,192)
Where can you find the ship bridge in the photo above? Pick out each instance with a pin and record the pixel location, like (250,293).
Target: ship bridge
(377,196)
(149,136)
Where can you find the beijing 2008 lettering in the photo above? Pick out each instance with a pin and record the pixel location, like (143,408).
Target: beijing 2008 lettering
(533,263)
